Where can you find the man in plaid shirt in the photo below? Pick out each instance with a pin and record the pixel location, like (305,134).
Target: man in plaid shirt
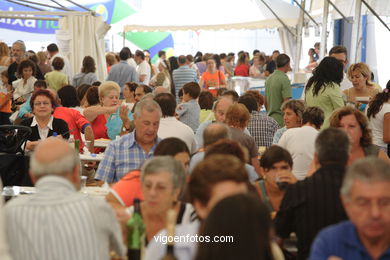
(131,150)
(261,126)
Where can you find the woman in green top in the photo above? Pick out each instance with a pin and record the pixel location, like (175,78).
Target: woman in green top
(323,88)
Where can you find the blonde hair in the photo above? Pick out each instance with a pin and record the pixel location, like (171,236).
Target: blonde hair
(4,50)
(363,69)
(42,56)
(108,86)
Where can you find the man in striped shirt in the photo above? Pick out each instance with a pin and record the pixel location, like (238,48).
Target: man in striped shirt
(58,222)
(184,74)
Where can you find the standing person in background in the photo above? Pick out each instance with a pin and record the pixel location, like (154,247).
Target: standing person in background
(110,60)
(323,89)
(242,68)
(340,53)
(43,62)
(143,68)
(130,59)
(188,112)
(122,72)
(183,75)
(212,78)
(56,79)
(18,54)
(53,51)
(278,88)
(162,56)
(379,115)
(272,64)
(5,59)
(257,69)
(87,75)
(153,69)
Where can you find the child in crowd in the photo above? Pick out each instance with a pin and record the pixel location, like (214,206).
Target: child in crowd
(24,86)
(5,100)
(188,112)
(56,79)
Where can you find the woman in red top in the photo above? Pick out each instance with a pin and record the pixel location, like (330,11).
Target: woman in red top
(212,78)
(242,68)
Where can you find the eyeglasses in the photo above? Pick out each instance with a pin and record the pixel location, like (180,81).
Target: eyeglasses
(37,104)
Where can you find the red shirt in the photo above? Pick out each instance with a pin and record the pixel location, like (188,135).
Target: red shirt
(129,188)
(76,122)
(242,70)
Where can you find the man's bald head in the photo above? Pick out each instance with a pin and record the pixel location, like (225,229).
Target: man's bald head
(215,132)
(53,156)
(221,107)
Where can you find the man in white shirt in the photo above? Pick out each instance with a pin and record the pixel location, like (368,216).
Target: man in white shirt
(53,51)
(300,141)
(59,222)
(170,126)
(161,57)
(143,68)
(340,53)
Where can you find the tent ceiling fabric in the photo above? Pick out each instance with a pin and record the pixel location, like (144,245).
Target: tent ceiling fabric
(347,7)
(212,15)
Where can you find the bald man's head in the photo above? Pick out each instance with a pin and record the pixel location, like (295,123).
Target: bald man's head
(54,156)
(215,132)
(221,107)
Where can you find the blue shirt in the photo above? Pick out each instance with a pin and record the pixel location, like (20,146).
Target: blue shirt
(122,156)
(341,240)
(188,113)
(25,108)
(121,73)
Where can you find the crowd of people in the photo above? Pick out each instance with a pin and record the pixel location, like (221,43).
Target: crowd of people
(267,170)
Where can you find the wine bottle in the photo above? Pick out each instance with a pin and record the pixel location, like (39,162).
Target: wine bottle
(135,229)
(171,221)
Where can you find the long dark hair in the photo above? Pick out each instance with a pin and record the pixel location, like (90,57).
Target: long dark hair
(329,70)
(377,102)
(245,219)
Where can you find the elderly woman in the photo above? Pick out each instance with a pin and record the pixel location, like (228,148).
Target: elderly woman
(292,117)
(162,180)
(106,118)
(355,123)
(323,88)
(237,118)
(257,69)
(363,89)
(43,124)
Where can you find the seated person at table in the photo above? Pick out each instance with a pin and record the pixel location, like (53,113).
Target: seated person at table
(129,187)
(58,222)
(314,203)
(25,109)
(24,86)
(43,124)
(365,194)
(131,150)
(277,164)
(188,111)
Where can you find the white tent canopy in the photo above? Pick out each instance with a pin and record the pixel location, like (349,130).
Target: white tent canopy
(173,15)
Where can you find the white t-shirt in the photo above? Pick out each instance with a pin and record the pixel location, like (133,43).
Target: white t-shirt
(132,62)
(346,83)
(376,124)
(300,143)
(144,69)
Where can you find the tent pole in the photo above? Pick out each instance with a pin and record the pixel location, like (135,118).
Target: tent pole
(375,14)
(298,51)
(324,30)
(25,5)
(356,31)
(302,7)
(276,16)
(340,13)
(82,7)
(45,5)
(60,4)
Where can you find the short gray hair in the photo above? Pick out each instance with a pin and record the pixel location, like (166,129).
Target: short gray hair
(21,44)
(61,166)
(370,169)
(147,104)
(168,164)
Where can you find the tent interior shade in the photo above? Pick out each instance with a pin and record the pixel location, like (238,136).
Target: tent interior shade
(211,15)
